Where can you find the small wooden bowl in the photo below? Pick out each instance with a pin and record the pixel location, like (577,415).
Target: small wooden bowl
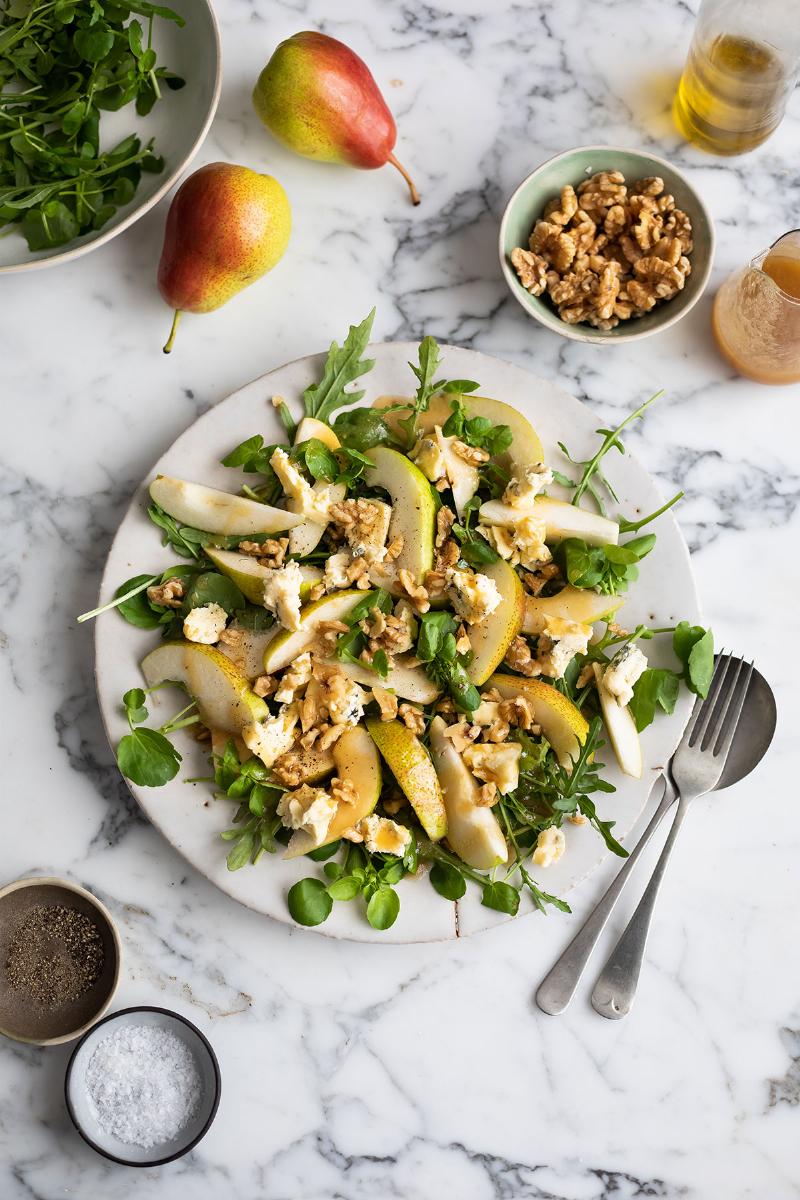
(40,1026)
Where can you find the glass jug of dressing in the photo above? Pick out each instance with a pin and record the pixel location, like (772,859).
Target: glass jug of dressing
(756,317)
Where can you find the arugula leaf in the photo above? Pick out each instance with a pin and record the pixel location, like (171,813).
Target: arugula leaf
(343,366)
(694,646)
(655,688)
(429,359)
(592,473)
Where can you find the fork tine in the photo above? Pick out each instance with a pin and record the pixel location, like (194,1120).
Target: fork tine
(717,719)
(707,707)
(733,713)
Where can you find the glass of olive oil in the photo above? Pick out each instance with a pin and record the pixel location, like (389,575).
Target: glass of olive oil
(741,69)
(756,317)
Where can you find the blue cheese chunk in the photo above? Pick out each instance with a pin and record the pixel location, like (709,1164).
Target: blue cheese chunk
(473,596)
(205,624)
(560,641)
(282,593)
(308,808)
(626,667)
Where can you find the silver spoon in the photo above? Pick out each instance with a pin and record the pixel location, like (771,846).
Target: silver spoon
(758,721)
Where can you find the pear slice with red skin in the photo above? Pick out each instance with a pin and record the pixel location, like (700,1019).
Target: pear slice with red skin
(357,760)
(411,765)
(473,830)
(563,725)
(570,604)
(621,729)
(492,637)
(218,512)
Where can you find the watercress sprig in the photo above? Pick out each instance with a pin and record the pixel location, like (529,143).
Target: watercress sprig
(147,756)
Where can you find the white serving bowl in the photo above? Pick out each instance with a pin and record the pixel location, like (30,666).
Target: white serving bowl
(178,123)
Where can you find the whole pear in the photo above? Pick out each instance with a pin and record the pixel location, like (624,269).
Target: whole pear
(226,227)
(319,98)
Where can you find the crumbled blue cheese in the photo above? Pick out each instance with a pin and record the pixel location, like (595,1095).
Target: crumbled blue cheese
(205,624)
(282,593)
(473,596)
(560,641)
(335,575)
(550,845)
(366,537)
(345,700)
(428,456)
(308,808)
(295,679)
(382,836)
(496,763)
(521,543)
(310,501)
(625,668)
(268,740)
(523,489)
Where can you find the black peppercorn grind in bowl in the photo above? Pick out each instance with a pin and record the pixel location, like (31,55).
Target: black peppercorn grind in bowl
(60,960)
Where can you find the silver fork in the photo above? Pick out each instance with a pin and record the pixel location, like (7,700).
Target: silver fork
(696,768)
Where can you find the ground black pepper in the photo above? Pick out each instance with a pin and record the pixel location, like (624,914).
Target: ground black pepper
(55,954)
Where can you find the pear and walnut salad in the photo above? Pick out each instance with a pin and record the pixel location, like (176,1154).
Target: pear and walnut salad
(389,638)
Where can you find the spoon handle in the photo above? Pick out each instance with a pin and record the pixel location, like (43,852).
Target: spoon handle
(615,990)
(558,986)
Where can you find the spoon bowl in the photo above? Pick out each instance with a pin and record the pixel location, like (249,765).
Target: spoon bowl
(759,718)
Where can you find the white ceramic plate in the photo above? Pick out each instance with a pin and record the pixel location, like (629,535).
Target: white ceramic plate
(179,123)
(664,595)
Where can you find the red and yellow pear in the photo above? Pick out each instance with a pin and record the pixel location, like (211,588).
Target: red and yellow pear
(226,227)
(319,98)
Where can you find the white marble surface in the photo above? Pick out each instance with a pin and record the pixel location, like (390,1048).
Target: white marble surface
(357,1071)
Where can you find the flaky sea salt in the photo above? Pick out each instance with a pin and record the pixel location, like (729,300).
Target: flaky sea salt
(143,1084)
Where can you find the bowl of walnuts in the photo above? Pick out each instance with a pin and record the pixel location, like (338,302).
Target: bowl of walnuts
(602,244)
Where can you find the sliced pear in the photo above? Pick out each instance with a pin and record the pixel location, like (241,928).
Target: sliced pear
(561,520)
(218,512)
(310,427)
(305,537)
(473,830)
(411,765)
(219,742)
(492,637)
(525,449)
(249,575)
(223,695)
(288,644)
(571,604)
(463,476)
(409,683)
(413,507)
(313,764)
(562,723)
(247,653)
(357,760)
(621,728)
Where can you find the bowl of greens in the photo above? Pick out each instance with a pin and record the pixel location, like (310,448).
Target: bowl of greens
(102,107)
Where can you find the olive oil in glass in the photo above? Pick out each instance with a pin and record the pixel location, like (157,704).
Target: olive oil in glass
(739,74)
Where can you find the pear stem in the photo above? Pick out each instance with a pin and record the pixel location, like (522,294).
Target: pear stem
(172,332)
(407,177)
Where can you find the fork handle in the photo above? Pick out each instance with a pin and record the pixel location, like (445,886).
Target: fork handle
(615,990)
(558,986)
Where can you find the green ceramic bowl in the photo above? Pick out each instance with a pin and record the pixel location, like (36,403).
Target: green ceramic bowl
(573,166)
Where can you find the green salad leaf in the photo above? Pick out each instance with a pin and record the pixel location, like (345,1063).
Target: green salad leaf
(343,366)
